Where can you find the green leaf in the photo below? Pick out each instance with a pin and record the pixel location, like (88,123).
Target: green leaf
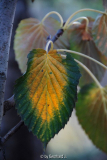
(45,95)
(91,110)
(32,34)
(99,32)
(81,41)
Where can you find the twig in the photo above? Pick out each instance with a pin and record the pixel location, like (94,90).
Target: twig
(11,132)
(57,35)
(8,104)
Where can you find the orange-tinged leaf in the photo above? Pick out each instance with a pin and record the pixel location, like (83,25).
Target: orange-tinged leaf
(45,95)
(91,110)
(100,33)
(82,42)
(31,34)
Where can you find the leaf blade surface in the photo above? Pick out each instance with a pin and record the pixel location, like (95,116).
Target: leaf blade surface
(45,95)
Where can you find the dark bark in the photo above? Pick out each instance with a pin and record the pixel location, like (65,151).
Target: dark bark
(7,12)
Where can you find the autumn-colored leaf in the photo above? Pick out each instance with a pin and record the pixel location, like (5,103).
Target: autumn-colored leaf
(32,34)
(105,4)
(91,110)
(45,95)
(100,33)
(82,42)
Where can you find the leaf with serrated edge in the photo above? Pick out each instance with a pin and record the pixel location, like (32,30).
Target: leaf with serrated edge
(99,32)
(45,95)
(32,34)
(81,41)
(91,110)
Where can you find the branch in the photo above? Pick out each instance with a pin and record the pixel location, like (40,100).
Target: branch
(55,37)
(7,12)
(8,104)
(11,132)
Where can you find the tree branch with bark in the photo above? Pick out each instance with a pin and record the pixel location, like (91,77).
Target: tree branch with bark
(7,12)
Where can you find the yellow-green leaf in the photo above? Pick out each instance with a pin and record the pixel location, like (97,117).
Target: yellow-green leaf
(91,110)
(45,95)
(31,34)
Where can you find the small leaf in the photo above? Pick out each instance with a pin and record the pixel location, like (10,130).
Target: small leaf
(32,34)
(91,110)
(82,41)
(100,33)
(45,95)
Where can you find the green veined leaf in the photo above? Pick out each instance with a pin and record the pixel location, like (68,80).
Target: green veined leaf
(45,95)
(91,110)
(32,34)
(100,33)
(82,41)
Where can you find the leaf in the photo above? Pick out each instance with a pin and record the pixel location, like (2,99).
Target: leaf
(100,33)
(45,95)
(105,4)
(32,34)
(91,110)
(81,41)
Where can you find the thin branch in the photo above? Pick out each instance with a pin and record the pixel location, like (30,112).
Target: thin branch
(8,104)
(11,132)
(55,37)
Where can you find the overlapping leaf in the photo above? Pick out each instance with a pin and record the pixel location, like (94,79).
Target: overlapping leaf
(82,42)
(100,33)
(32,34)
(91,111)
(45,95)
(105,4)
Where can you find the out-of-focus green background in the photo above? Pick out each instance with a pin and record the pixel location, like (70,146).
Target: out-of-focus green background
(65,7)
(72,140)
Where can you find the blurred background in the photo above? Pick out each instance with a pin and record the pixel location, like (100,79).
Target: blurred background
(72,142)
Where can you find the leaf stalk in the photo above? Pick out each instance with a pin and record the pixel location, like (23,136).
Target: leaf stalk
(83,55)
(82,10)
(53,12)
(90,73)
(87,22)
